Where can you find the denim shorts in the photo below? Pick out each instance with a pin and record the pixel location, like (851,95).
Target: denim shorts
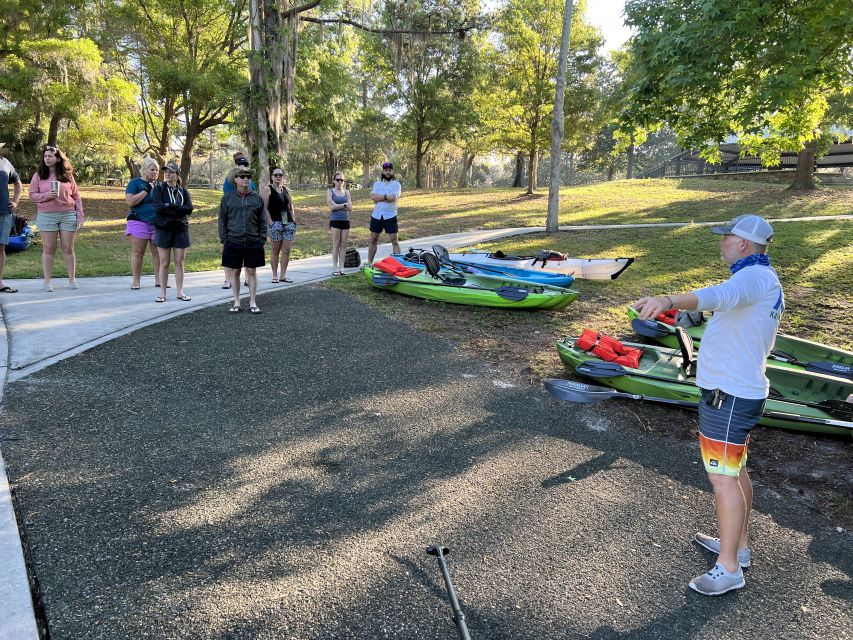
(6,224)
(724,431)
(59,221)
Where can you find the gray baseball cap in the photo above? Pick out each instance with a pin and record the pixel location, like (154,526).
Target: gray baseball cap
(749,227)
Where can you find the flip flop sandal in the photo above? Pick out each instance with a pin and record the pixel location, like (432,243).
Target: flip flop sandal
(168,286)
(234,309)
(48,288)
(226,285)
(287,280)
(184,298)
(159,299)
(8,290)
(255,310)
(135,287)
(275,280)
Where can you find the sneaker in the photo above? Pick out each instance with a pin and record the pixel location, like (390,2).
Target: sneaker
(744,557)
(718,581)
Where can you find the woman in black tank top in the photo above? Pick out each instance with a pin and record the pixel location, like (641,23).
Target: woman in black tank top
(282,224)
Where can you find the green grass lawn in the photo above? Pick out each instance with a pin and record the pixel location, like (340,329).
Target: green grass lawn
(102,248)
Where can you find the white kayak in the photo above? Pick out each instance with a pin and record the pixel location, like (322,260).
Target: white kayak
(550,261)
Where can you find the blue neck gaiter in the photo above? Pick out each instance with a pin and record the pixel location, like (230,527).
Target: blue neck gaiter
(756,258)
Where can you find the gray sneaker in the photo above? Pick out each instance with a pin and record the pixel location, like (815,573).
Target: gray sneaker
(718,581)
(744,557)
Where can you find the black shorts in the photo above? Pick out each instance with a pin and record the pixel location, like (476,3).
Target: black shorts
(237,256)
(338,224)
(388,225)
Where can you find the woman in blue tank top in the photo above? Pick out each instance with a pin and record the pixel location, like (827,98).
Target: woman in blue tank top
(340,204)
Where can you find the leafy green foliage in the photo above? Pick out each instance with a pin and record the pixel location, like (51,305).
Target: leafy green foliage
(762,69)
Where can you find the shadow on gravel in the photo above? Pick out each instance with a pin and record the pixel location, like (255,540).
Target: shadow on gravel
(278,476)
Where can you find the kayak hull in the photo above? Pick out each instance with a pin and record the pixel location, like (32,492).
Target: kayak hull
(798,348)
(660,375)
(478,290)
(580,268)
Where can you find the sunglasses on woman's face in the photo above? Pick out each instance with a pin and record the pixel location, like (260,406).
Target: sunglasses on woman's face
(277,175)
(243,176)
(339,179)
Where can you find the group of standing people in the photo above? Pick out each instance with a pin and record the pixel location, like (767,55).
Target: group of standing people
(158,221)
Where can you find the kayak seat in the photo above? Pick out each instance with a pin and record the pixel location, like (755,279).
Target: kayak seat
(500,255)
(685,344)
(433,268)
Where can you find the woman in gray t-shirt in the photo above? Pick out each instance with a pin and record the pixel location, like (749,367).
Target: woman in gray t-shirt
(340,204)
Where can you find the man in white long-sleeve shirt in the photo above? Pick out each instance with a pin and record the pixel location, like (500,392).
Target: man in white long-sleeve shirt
(731,373)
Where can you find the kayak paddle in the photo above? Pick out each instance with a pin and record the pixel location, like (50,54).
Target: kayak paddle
(828,368)
(572,391)
(516,294)
(652,329)
(458,616)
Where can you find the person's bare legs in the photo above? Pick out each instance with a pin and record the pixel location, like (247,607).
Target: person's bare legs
(155,263)
(137,255)
(252,277)
(342,247)
(180,254)
(285,257)
(66,243)
(371,250)
(164,256)
(233,276)
(395,244)
(731,506)
(746,486)
(336,246)
(276,250)
(2,262)
(48,251)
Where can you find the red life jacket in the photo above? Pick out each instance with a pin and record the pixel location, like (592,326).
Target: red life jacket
(395,268)
(609,349)
(668,317)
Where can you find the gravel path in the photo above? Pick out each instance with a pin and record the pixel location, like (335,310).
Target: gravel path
(278,476)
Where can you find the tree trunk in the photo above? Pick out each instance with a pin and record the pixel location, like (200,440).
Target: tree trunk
(804,176)
(256,44)
(557,126)
(419,157)
(187,153)
(611,170)
(630,172)
(467,165)
(518,180)
(53,130)
(132,167)
(532,167)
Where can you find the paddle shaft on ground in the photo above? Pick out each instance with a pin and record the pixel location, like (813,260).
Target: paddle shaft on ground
(571,391)
(458,616)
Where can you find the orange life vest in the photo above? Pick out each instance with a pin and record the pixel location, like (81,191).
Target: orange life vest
(609,349)
(395,268)
(668,317)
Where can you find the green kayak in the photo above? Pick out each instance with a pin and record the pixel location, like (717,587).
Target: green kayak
(787,347)
(800,400)
(477,290)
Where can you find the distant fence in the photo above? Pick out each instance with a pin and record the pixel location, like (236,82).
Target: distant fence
(689,163)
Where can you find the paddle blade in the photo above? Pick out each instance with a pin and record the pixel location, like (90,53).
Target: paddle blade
(831,368)
(516,294)
(648,328)
(383,279)
(572,391)
(600,369)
